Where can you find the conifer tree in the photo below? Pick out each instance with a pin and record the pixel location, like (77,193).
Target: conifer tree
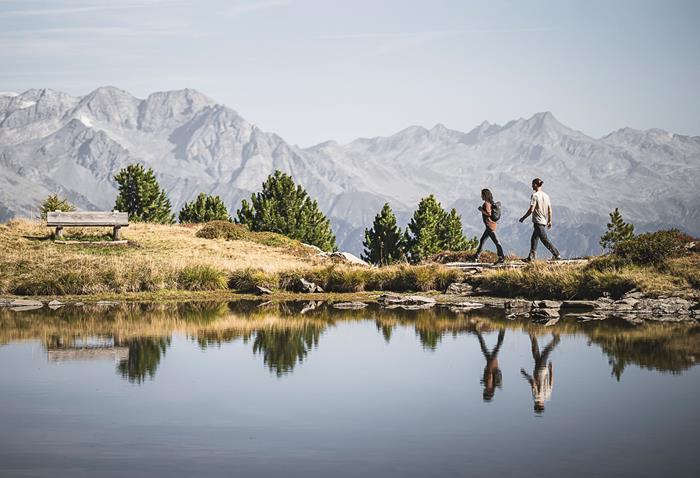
(141,196)
(204,208)
(617,231)
(385,242)
(425,232)
(55,203)
(285,208)
(452,237)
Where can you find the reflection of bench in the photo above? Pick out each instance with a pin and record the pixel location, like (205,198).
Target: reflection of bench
(114,219)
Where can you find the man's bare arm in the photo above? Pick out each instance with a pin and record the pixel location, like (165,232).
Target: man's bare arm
(549,217)
(529,211)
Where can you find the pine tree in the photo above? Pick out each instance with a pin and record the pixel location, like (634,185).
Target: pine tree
(55,203)
(425,234)
(385,242)
(452,237)
(141,196)
(285,208)
(617,231)
(204,208)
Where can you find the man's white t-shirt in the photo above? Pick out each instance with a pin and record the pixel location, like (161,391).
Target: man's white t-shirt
(540,205)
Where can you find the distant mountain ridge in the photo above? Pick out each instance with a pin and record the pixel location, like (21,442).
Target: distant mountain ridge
(51,142)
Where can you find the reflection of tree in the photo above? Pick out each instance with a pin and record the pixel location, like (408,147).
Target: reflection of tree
(429,338)
(282,349)
(386,329)
(673,351)
(144,356)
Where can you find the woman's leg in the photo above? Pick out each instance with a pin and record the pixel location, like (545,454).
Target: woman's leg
(499,249)
(481,242)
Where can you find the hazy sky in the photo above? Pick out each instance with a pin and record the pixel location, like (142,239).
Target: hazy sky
(312,70)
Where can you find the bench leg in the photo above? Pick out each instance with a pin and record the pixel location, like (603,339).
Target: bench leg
(59,233)
(116,233)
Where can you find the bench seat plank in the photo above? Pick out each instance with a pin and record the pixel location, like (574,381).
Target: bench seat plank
(87,219)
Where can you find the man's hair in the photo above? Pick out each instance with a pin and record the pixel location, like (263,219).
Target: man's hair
(537,182)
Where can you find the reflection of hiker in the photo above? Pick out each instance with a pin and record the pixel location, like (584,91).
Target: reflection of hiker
(541,210)
(542,378)
(492,373)
(490,213)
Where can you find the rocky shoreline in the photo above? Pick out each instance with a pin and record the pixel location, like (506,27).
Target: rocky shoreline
(634,307)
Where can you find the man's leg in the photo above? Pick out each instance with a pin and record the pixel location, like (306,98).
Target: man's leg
(499,249)
(546,242)
(533,243)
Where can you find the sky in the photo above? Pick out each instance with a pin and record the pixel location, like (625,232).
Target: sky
(314,70)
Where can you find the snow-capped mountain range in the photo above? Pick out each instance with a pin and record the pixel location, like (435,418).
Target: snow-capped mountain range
(51,142)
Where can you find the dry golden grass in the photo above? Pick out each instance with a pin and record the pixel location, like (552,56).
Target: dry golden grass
(157,257)
(567,281)
(166,258)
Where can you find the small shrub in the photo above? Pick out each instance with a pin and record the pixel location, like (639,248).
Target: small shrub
(201,277)
(223,230)
(345,279)
(246,280)
(653,248)
(609,262)
(55,203)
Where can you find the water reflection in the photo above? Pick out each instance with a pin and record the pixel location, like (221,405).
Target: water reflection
(283,349)
(143,358)
(492,376)
(542,379)
(137,336)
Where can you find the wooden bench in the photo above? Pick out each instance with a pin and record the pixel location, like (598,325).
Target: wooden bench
(115,220)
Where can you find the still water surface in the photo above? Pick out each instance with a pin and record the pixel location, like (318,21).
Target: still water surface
(239,390)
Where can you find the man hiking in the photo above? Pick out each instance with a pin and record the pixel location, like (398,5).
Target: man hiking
(487,214)
(541,210)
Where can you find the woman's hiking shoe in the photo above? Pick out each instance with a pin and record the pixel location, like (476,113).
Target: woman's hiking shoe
(500,260)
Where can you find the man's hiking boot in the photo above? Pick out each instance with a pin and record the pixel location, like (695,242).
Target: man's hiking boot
(556,258)
(528,259)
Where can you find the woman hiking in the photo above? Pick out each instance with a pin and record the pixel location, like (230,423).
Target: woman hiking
(487,210)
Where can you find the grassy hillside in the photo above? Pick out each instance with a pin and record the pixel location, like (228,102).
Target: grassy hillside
(156,257)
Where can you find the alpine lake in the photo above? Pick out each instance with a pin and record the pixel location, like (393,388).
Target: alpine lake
(301,389)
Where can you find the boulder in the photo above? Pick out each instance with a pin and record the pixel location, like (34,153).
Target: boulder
(406,301)
(349,305)
(578,304)
(260,290)
(464,305)
(547,304)
(544,313)
(344,258)
(106,303)
(634,294)
(519,304)
(302,285)
(26,303)
(459,288)
(55,304)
